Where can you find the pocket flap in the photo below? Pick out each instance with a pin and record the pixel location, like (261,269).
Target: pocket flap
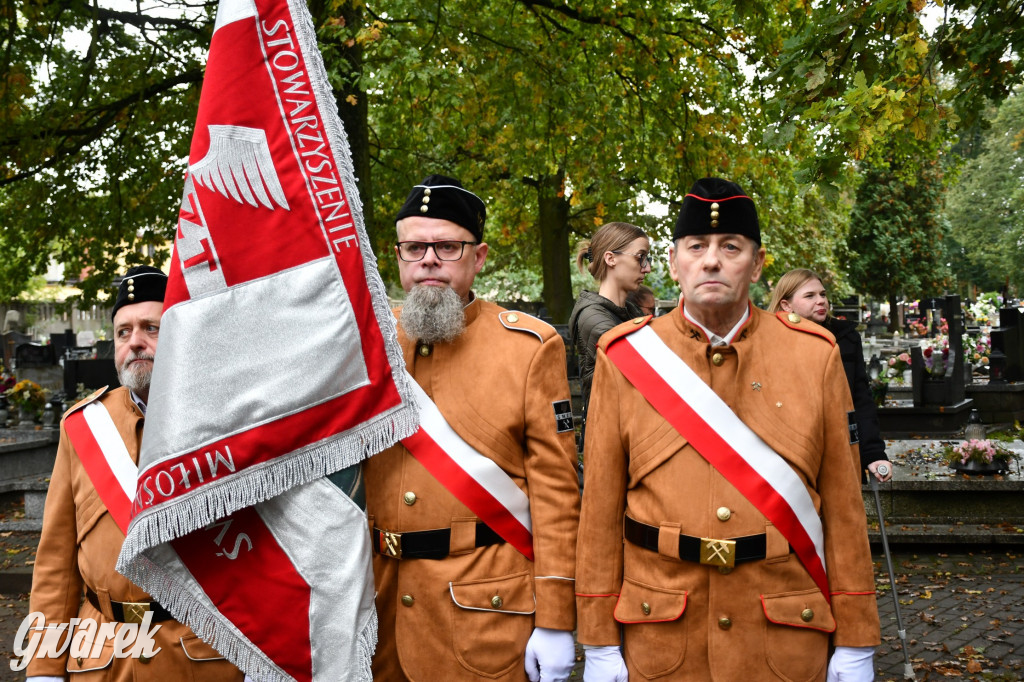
(509,594)
(81,659)
(198,650)
(640,603)
(807,609)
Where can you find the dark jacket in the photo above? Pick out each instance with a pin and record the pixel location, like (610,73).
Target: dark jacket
(591,317)
(872,447)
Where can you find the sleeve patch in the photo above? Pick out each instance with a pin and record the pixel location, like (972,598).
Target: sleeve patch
(851,420)
(563,416)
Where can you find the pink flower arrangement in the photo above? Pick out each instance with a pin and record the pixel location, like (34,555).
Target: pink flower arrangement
(980,452)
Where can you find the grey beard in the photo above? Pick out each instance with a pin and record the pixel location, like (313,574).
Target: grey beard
(135,377)
(433,314)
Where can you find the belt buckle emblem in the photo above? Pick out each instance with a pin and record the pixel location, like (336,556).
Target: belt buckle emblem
(134,611)
(391,544)
(717,552)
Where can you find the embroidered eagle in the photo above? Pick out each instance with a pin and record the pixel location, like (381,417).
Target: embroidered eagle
(238,165)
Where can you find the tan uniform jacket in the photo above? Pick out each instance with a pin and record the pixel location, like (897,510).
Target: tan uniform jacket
(765,619)
(78,549)
(496,385)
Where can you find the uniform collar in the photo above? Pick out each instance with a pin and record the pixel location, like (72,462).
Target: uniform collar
(138,402)
(715,339)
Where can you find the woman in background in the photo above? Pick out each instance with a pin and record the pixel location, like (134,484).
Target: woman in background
(800,291)
(619,259)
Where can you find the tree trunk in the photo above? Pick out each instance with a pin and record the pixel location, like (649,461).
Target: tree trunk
(553,222)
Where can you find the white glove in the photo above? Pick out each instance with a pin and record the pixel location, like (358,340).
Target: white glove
(44,678)
(604,664)
(550,655)
(852,664)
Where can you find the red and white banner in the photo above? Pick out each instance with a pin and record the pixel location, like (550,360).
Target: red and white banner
(474,479)
(278,363)
(728,444)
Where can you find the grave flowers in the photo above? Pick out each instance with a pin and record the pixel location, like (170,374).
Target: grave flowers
(28,396)
(979,457)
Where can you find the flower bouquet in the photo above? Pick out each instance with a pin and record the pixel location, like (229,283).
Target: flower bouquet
(28,396)
(936,356)
(898,364)
(980,457)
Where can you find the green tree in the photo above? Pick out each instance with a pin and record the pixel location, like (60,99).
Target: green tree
(986,206)
(898,233)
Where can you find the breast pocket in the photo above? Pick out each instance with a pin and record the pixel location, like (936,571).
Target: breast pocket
(654,635)
(491,621)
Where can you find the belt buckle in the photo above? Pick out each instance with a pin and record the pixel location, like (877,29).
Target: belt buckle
(391,544)
(135,611)
(717,552)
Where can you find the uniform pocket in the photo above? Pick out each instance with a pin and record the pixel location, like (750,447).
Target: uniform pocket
(82,660)
(654,635)
(498,613)
(796,633)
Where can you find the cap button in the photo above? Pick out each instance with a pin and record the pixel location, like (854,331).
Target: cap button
(714,223)
(131,297)
(426,192)
(423,208)
(714,206)
(131,281)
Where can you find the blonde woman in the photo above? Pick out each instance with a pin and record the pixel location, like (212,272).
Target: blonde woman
(619,256)
(800,291)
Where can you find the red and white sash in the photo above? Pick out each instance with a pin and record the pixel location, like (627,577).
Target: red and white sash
(729,445)
(473,478)
(106,459)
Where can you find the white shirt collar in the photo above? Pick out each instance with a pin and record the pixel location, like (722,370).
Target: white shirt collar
(715,339)
(138,401)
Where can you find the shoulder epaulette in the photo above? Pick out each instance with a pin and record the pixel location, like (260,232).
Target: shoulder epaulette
(88,399)
(625,329)
(794,321)
(522,322)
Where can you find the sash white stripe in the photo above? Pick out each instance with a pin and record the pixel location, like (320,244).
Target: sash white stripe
(705,402)
(112,446)
(480,468)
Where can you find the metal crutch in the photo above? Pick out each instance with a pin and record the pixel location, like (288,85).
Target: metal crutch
(908,669)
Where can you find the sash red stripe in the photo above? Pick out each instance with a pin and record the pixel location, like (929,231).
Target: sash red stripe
(253,583)
(95,464)
(460,484)
(712,447)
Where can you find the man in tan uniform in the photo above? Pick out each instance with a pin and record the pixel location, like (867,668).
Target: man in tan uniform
(81,539)
(457,597)
(717,424)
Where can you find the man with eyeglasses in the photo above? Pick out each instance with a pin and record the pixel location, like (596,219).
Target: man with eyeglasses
(722,534)
(474,518)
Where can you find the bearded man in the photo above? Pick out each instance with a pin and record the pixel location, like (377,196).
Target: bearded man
(88,507)
(474,518)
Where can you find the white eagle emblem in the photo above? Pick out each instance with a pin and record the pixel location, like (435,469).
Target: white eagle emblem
(239,164)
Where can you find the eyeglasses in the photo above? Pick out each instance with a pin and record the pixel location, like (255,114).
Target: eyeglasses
(643,258)
(412,252)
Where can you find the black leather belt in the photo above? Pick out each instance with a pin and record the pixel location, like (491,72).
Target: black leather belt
(426,544)
(131,612)
(709,551)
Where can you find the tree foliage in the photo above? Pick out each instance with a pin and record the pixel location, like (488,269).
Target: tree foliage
(898,238)
(986,206)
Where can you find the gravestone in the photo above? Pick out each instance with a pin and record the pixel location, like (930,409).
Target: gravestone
(1008,339)
(948,388)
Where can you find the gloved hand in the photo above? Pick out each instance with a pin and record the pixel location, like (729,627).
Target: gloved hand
(604,664)
(852,664)
(550,655)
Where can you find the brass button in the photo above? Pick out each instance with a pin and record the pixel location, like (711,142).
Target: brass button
(497,602)
(145,659)
(793,317)
(426,191)
(424,349)
(646,608)
(407,600)
(724,623)
(714,223)
(423,208)
(409,498)
(724,513)
(131,297)
(131,287)
(638,320)
(725,570)
(807,615)
(131,281)
(79,661)
(717,359)
(714,206)
(714,215)
(512,318)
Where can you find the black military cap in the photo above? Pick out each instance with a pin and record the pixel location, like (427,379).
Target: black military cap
(444,198)
(717,206)
(140,283)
